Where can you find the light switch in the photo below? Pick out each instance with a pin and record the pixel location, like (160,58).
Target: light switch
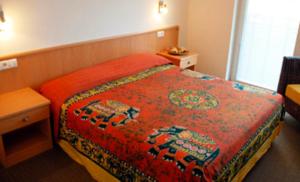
(160,34)
(8,64)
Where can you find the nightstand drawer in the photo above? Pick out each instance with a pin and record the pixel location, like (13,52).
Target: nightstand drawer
(23,119)
(187,62)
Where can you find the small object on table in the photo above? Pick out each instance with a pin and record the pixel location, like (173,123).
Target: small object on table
(187,60)
(178,51)
(24,126)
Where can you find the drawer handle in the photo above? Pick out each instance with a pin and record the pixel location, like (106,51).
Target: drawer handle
(188,62)
(26,119)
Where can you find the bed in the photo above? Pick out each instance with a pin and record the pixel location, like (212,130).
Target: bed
(140,118)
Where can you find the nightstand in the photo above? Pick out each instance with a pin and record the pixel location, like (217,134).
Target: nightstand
(187,61)
(24,126)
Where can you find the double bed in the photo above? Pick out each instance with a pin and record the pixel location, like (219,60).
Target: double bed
(140,118)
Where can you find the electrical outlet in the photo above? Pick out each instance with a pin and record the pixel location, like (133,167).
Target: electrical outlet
(160,34)
(8,64)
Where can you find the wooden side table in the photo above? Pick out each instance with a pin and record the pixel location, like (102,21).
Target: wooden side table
(24,126)
(187,61)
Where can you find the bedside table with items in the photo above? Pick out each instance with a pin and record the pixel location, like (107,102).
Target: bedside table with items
(186,61)
(24,126)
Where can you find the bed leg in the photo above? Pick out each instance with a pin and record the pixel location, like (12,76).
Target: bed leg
(282,114)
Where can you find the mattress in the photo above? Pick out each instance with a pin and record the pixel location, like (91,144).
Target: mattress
(142,119)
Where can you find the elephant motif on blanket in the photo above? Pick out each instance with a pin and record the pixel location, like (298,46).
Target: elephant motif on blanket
(183,147)
(107,112)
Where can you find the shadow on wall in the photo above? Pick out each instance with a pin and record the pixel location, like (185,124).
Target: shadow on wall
(297,49)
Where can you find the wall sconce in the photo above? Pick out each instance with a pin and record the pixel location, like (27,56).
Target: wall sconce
(2,19)
(162,7)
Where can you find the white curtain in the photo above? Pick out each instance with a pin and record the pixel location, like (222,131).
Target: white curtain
(270,31)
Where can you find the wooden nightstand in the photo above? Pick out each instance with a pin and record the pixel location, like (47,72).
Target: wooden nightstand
(24,126)
(187,61)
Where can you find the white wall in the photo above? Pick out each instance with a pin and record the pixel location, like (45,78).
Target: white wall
(209,32)
(39,24)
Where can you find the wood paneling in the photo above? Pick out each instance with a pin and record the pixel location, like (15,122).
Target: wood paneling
(36,67)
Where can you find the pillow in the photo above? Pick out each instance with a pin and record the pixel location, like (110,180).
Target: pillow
(58,90)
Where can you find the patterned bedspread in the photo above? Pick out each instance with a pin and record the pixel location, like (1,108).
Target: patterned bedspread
(148,121)
(164,125)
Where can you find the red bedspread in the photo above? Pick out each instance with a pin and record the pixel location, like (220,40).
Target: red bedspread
(158,124)
(60,89)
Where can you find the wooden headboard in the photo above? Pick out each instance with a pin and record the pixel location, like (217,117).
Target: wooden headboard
(36,67)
